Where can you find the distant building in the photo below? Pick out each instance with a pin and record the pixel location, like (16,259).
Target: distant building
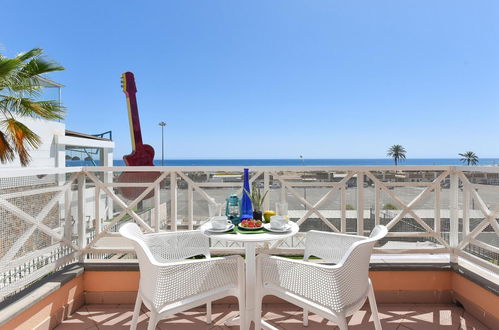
(60,147)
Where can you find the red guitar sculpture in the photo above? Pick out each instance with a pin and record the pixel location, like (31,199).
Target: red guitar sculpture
(142,154)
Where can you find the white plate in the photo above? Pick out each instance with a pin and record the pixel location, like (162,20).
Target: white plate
(223,230)
(281,230)
(249,228)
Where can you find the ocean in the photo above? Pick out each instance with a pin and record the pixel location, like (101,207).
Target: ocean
(295,162)
(310,162)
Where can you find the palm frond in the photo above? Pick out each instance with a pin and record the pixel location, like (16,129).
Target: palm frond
(22,137)
(29,54)
(27,107)
(20,86)
(22,72)
(38,66)
(7,67)
(6,151)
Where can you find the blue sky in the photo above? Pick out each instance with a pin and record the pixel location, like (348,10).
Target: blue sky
(275,79)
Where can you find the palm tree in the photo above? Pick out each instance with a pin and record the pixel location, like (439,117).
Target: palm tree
(469,157)
(20,87)
(397,152)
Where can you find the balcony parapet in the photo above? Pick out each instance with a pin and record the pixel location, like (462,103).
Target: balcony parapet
(58,217)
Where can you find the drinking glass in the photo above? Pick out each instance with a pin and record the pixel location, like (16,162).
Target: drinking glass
(281,208)
(215,209)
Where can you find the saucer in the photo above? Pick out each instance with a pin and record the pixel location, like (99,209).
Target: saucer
(223,230)
(284,229)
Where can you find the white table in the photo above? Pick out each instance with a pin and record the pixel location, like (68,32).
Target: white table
(250,241)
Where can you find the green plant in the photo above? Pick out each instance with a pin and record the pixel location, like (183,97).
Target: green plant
(469,157)
(350,207)
(20,86)
(389,206)
(397,152)
(256,198)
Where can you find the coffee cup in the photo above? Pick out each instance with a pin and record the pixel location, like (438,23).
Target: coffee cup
(278,222)
(220,222)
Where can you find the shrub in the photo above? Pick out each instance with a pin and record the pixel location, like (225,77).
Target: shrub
(389,206)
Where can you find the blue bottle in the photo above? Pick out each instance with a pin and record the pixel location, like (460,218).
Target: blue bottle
(246,207)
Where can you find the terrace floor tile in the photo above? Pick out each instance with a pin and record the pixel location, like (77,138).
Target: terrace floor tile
(282,316)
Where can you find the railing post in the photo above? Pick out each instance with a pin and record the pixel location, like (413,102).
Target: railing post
(360,203)
(466,209)
(82,235)
(61,178)
(97,210)
(266,187)
(266,203)
(173,200)
(437,224)
(156,215)
(453,205)
(343,207)
(190,207)
(377,204)
(68,219)
(107,161)
(283,193)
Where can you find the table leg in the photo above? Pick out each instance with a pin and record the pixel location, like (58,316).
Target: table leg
(250,250)
(250,290)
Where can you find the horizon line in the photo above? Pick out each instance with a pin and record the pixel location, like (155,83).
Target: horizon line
(306,158)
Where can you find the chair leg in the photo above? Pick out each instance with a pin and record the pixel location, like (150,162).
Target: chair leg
(208,312)
(153,320)
(374,308)
(342,323)
(305,317)
(258,312)
(136,312)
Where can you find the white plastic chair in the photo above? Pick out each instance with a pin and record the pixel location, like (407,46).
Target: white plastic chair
(169,284)
(331,291)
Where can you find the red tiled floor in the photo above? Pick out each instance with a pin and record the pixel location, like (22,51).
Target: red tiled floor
(283,316)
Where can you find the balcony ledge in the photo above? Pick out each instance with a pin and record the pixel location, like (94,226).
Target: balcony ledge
(84,284)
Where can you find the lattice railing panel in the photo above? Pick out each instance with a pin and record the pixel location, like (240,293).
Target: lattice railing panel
(34,240)
(432,209)
(11,229)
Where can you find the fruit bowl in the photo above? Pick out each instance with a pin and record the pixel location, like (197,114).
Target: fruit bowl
(250,224)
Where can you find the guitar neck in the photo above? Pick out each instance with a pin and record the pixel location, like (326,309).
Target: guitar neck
(133,118)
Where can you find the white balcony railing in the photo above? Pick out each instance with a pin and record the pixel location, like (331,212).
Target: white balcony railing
(52,217)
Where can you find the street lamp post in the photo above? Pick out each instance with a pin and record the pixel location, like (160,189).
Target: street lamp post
(162,124)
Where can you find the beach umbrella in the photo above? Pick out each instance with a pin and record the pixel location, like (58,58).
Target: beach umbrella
(246,207)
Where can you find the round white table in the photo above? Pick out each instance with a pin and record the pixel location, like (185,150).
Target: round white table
(250,241)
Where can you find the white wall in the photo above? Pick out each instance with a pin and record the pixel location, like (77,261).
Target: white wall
(51,152)
(46,154)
